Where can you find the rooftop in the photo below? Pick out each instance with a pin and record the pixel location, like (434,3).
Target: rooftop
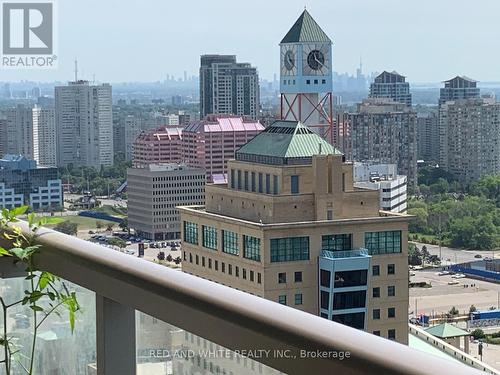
(305,29)
(446,330)
(223,123)
(286,140)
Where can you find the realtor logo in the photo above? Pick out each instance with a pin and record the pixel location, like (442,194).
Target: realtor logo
(28,34)
(27,28)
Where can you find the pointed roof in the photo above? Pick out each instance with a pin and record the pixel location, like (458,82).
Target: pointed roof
(446,330)
(305,29)
(284,140)
(464,78)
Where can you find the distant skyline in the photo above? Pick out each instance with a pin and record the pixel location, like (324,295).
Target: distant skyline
(130,40)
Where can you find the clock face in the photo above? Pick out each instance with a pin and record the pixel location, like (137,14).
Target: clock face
(289,60)
(315,59)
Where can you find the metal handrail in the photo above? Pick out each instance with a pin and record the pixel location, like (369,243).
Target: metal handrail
(229,317)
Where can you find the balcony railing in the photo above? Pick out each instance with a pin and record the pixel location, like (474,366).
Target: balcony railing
(344,253)
(233,319)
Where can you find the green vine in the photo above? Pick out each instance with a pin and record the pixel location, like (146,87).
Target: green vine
(46,295)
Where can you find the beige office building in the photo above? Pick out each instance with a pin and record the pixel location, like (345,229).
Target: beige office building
(289,226)
(153,194)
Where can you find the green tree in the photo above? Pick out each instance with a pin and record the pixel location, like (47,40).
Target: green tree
(419,224)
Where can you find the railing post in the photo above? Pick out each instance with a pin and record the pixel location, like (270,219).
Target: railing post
(115,326)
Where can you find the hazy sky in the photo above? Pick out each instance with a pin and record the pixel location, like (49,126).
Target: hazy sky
(132,40)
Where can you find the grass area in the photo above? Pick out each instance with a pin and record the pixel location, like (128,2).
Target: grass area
(112,211)
(85,223)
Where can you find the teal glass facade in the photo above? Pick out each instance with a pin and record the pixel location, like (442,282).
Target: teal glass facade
(383,242)
(191,233)
(251,248)
(336,242)
(230,242)
(209,237)
(289,249)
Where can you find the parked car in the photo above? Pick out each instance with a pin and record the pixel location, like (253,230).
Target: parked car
(478,256)
(443,273)
(458,276)
(453,282)
(488,259)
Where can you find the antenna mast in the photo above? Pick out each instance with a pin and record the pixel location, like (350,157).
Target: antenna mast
(76,70)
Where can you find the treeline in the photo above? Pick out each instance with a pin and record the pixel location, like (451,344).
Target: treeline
(466,217)
(97,181)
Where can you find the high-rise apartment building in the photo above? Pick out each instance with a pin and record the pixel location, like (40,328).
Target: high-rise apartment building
(428,136)
(469,133)
(289,226)
(84,124)
(212,142)
(385,179)
(20,135)
(132,129)
(383,131)
(162,145)
(153,194)
(44,129)
(228,87)
(460,87)
(391,85)
(3,137)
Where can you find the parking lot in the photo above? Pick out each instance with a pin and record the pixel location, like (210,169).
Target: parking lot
(442,296)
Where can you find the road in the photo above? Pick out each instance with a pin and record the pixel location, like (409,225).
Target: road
(452,256)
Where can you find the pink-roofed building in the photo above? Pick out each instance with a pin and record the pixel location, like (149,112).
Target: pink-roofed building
(211,142)
(156,146)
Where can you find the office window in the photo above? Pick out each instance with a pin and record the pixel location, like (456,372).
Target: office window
(324,300)
(325,278)
(294,184)
(239,179)
(391,269)
(232,179)
(383,242)
(268,183)
(259,278)
(237,271)
(191,233)
(355,320)
(376,292)
(230,269)
(298,276)
(251,248)
(336,242)
(376,270)
(376,333)
(281,278)
(230,242)
(261,189)
(197,260)
(289,249)
(391,291)
(298,299)
(350,278)
(308,81)
(282,299)
(203,261)
(244,273)
(376,314)
(251,275)
(245,180)
(349,300)
(391,334)
(275,184)
(329,215)
(209,235)
(216,265)
(190,258)
(253,181)
(223,267)
(391,312)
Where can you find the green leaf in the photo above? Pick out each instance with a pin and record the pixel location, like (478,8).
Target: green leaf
(45,279)
(18,211)
(36,308)
(4,252)
(46,220)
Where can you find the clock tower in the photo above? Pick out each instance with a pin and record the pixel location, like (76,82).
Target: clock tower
(306,77)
